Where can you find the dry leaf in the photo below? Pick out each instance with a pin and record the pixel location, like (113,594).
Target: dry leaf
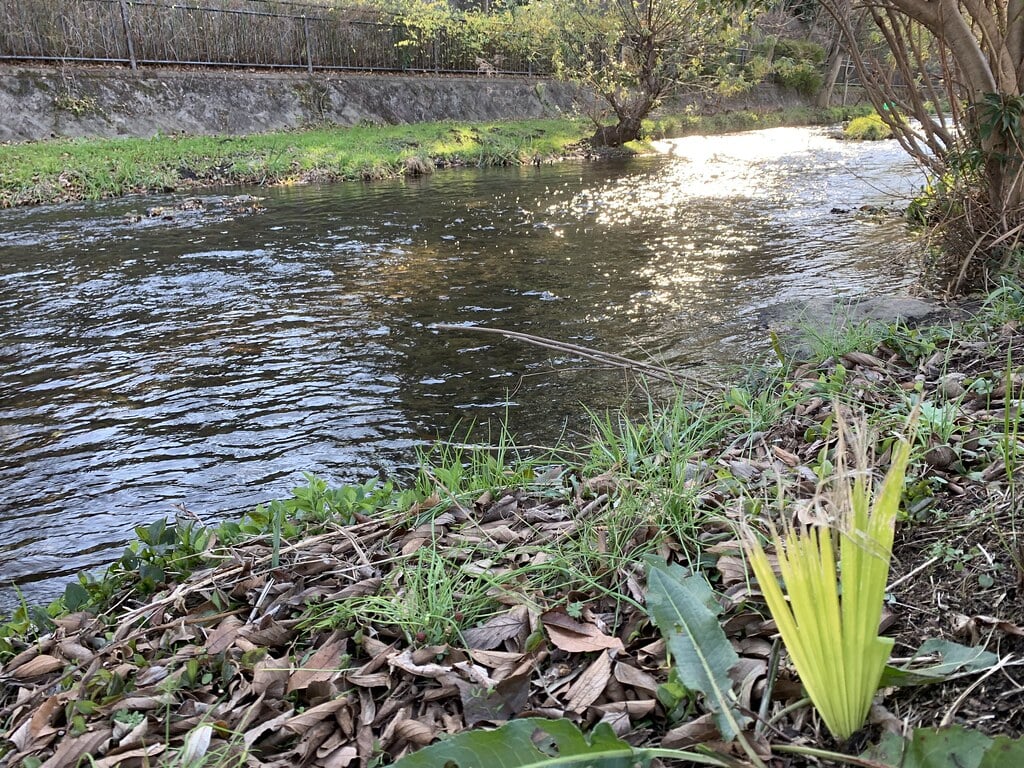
(498,629)
(415,732)
(635,678)
(223,637)
(698,731)
(321,666)
(575,636)
(590,685)
(41,665)
(306,720)
(72,749)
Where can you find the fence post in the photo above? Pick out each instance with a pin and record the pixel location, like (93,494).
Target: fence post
(309,48)
(128,35)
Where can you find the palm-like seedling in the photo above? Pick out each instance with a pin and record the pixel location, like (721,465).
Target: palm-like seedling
(830,624)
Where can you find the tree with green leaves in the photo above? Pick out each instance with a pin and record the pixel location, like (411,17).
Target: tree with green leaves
(948,77)
(634,53)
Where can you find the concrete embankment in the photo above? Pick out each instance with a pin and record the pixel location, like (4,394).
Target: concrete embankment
(40,103)
(99,102)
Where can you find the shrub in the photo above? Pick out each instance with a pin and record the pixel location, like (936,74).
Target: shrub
(803,77)
(800,50)
(869,128)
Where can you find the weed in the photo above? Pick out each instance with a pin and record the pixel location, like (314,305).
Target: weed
(841,335)
(428,600)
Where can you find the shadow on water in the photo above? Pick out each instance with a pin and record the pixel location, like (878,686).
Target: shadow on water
(208,360)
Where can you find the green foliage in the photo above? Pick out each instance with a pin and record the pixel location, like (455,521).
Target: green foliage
(868,128)
(1000,116)
(62,169)
(955,658)
(803,77)
(841,335)
(799,51)
(429,599)
(536,742)
(955,747)
(834,642)
(686,611)
(633,54)
(166,551)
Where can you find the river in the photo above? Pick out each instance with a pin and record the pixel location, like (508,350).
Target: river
(209,355)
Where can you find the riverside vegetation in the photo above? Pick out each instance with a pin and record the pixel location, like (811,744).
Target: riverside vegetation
(64,170)
(596,599)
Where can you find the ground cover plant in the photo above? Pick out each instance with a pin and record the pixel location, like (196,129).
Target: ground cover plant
(597,600)
(63,170)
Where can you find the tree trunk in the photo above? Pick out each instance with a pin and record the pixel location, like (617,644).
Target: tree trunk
(834,64)
(627,129)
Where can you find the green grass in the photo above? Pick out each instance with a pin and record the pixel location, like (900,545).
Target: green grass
(672,125)
(62,170)
(69,169)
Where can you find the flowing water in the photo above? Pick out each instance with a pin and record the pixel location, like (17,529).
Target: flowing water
(209,358)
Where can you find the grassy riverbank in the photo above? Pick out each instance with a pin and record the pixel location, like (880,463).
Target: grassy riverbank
(76,169)
(357,625)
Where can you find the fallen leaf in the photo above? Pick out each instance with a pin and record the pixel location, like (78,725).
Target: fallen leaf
(301,723)
(415,732)
(698,731)
(498,629)
(590,685)
(73,749)
(321,666)
(575,636)
(635,678)
(113,759)
(270,677)
(41,665)
(251,736)
(494,704)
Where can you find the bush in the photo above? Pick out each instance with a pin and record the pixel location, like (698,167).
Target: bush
(870,128)
(800,50)
(803,77)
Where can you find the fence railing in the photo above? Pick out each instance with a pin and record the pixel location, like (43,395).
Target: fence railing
(246,33)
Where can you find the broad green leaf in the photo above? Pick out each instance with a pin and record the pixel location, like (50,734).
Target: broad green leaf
(539,743)
(955,747)
(1004,753)
(75,596)
(513,746)
(955,658)
(684,608)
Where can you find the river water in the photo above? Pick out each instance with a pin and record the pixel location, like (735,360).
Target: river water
(209,357)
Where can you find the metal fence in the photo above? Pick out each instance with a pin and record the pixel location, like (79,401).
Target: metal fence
(274,34)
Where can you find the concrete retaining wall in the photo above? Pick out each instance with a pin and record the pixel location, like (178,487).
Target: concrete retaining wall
(39,103)
(45,102)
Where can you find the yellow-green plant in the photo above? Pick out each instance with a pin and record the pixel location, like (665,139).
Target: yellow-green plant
(830,625)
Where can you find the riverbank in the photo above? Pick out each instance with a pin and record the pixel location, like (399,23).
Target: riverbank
(64,170)
(356,625)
